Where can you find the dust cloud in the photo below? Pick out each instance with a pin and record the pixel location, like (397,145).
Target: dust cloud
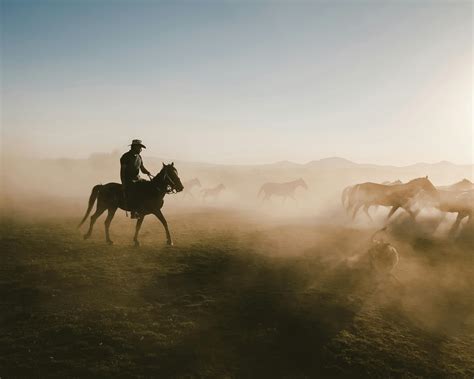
(300,261)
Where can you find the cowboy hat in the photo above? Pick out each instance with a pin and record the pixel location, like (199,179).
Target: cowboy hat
(138,142)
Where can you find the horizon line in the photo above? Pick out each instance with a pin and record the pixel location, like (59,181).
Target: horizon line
(282,161)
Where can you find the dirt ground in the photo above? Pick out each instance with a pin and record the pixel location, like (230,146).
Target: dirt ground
(237,296)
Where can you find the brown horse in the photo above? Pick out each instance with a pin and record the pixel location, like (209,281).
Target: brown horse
(463,185)
(110,197)
(281,189)
(395,196)
(213,193)
(460,202)
(189,185)
(349,190)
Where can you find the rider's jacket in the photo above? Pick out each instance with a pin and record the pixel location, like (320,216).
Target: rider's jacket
(130,163)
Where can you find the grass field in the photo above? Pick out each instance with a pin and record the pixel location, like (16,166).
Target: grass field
(235,297)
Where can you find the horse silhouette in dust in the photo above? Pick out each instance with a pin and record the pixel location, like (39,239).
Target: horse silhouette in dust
(212,193)
(283,190)
(457,198)
(460,202)
(151,193)
(349,191)
(189,185)
(394,195)
(463,185)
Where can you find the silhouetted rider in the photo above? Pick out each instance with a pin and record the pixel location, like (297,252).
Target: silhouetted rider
(131,164)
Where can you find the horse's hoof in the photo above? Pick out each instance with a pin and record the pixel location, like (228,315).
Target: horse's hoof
(136,244)
(86,236)
(110,242)
(170,243)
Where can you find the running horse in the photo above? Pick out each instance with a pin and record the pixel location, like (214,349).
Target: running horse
(212,192)
(395,196)
(110,197)
(189,185)
(350,190)
(460,202)
(346,193)
(281,189)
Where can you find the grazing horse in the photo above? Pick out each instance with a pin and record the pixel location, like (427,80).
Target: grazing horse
(395,196)
(212,192)
(281,189)
(189,185)
(110,197)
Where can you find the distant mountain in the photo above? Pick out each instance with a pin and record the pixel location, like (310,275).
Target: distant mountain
(332,162)
(440,164)
(284,164)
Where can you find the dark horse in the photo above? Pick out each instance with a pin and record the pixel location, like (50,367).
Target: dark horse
(110,197)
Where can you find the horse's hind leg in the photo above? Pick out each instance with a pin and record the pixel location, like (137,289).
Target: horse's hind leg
(137,230)
(165,224)
(456,224)
(366,211)
(108,220)
(100,209)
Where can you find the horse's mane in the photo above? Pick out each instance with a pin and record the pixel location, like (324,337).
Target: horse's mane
(159,176)
(424,178)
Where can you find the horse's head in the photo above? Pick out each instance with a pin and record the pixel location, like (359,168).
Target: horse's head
(302,183)
(427,190)
(168,177)
(428,186)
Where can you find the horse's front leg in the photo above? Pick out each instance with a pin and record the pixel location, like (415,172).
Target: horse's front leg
(356,209)
(137,230)
(412,214)
(392,211)
(165,224)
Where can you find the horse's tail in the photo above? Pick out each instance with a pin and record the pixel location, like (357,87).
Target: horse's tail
(261,190)
(351,197)
(345,194)
(92,199)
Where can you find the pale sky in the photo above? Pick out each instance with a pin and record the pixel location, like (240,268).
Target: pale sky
(239,81)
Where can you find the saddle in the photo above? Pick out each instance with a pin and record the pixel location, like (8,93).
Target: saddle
(131,197)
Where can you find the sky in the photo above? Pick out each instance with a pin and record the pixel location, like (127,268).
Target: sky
(239,81)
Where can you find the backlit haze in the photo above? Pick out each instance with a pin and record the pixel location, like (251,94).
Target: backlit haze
(239,82)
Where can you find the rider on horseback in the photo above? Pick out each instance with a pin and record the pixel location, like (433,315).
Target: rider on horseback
(131,164)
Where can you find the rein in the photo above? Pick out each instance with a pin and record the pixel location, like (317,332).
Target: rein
(170,188)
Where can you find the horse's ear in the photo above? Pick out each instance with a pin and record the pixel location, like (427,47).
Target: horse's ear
(172,164)
(426,177)
(163,164)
